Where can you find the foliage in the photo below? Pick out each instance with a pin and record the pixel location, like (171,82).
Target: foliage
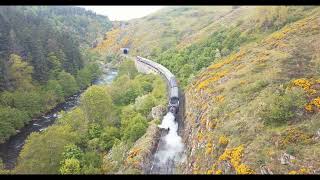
(70,166)
(124,90)
(127,67)
(235,155)
(108,137)
(281,108)
(20,72)
(68,83)
(97,105)
(11,119)
(135,128)
(42,153)
(72,151)
(144,104)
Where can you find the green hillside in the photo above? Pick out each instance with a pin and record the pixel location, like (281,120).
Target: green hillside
(251,80)
(43,59)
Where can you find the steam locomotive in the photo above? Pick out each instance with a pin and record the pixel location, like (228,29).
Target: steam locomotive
(173,89)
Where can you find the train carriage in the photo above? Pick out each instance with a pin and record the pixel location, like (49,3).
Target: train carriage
(173,105)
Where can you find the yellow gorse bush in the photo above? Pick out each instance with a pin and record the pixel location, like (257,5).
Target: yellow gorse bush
(300,171)
(209,148)
(235,155)
(293,136)
(316,102)
(204,84)
(306,85)
(219,171)
(223,140)
(219,98)
(131,160)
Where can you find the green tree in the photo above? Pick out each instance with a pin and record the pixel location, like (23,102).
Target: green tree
(135,129)
(127,67)
(20,72)
(109,137)
(54,65)
(91,162)
(42,153)
(84,77)
(144,104)
(68,83)
(72,151)
(95,71)
(56,88)
(70,166)
(97,105)
(10,120)
(124,90)
(30,101)
(94,131)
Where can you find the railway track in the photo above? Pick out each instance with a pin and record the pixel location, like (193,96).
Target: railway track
(175,106)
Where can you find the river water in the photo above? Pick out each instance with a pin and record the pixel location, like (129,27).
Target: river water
(10,150)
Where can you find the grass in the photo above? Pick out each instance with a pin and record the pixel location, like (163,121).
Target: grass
(261,109)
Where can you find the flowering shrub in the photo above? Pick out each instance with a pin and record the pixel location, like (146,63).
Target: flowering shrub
(219,171)
(223,140)
(306,85)
(316,102)
(235,155)
(294,136)
(204,84)
(219,98)
(209,148)
(300,171)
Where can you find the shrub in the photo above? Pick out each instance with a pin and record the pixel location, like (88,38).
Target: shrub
(72,151)
(135,128)
(70,166)
(10,120)
(281,108)
(109,137)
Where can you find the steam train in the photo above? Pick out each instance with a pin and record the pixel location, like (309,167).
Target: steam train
(173,89)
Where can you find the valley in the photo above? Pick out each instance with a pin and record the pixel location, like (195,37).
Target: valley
(183,90)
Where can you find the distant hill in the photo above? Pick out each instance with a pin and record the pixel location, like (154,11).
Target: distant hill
(163,29)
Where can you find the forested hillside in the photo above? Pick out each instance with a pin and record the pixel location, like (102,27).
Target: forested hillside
(250,78)
(87,27)
(41,61)
(109,119)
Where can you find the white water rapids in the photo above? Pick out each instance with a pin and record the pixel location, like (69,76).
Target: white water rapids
(170,146)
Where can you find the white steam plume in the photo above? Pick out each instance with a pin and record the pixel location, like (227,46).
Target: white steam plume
(173,146)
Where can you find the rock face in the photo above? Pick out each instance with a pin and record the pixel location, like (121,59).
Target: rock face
(265,170)
(135,160)
(140,155)
(158,112)
(317,135)
(285,159)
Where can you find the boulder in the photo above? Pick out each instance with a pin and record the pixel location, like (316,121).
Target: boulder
(285,158)
(158,112)
(317,135)
(265,170)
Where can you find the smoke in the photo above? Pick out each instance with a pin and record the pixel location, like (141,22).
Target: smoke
(173,147)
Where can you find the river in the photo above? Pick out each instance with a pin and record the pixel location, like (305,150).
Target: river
(10,150)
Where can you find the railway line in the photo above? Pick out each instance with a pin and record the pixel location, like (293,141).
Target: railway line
(175,107)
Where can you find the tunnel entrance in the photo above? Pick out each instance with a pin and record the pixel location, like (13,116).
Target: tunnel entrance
(125,50)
